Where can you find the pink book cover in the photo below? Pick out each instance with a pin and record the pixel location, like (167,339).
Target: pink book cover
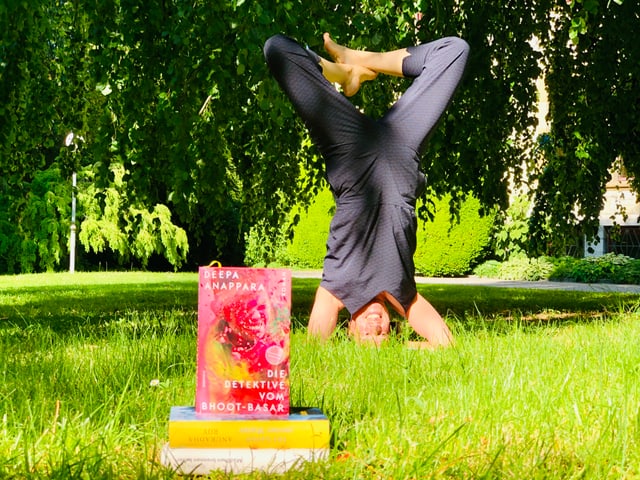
(243,342)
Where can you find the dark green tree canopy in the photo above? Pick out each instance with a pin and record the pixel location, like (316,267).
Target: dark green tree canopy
(188,142)
(592,71)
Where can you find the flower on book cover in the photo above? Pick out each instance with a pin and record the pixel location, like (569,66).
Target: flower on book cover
(247,327)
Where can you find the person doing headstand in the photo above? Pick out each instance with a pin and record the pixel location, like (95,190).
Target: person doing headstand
(373,170)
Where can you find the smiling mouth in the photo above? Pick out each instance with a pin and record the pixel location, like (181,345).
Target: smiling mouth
(374,322)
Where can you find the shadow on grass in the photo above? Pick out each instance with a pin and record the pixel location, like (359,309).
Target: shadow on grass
(76,308)
(529,308)
(72,308)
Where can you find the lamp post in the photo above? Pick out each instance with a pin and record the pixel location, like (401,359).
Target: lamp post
(68,141)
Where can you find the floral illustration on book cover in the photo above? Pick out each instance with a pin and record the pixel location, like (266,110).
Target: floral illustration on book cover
(243,341)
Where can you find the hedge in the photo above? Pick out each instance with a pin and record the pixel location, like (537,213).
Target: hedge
(443,248)
(449,248)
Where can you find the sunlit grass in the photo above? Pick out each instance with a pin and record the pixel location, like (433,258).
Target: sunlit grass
(538,384)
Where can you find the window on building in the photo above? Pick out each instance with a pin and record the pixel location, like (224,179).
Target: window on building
(622,240)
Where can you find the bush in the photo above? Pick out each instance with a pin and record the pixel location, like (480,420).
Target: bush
(610,267)
(444,248)
(309,244)
(523,268)
(630,273)
(447,248)
(262,249)
(488,269)
(512,236)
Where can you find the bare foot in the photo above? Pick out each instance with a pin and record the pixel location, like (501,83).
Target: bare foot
(356,76)
(338,53)
(352,74)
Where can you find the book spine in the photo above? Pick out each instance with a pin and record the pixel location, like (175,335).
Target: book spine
(249,434)
(202,461)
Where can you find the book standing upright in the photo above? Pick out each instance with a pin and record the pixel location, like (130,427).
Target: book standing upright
(243,341)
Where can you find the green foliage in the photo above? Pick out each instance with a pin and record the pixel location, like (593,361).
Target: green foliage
(488,269)
(42,74)
(9,243)
(308,246)
(592,81)
(264,249)
(38,239)
(582,15)
(450,247)
(446,247)
(46,215)
(520,267)
(611,268)
(112,220)
(178,95)
(512,234)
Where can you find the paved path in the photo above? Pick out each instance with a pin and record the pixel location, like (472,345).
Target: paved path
(490,282)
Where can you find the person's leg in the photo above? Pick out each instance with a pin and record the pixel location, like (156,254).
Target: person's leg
(427,322)
(331,118)
(437,69)
(324,314)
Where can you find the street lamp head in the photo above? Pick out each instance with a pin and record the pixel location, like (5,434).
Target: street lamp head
(69,139)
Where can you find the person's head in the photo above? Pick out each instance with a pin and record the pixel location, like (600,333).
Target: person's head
(371,324)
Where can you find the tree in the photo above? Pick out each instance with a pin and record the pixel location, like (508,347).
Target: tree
(48,90)
(187,136)
(33,170)
(592,78)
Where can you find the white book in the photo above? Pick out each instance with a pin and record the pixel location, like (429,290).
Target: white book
(202,461)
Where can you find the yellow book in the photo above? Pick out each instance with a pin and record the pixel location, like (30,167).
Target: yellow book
(303,428)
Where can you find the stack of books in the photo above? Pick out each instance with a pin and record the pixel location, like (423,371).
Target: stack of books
(242,420)
(240,444)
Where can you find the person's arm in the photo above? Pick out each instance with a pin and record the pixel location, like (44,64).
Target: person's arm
(324,314)
(427,322)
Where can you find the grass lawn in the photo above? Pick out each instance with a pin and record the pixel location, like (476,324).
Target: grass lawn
(540,384)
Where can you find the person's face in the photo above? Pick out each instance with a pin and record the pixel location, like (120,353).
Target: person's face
(371,323)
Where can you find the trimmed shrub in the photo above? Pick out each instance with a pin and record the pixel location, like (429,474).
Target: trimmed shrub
(447,248)
(309,244)
(444,248)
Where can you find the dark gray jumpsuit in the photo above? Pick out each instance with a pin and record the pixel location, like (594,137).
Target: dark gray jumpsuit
(372,166)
